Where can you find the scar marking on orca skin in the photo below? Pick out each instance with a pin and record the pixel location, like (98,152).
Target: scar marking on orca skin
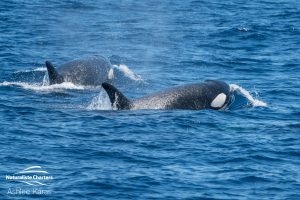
(219,101)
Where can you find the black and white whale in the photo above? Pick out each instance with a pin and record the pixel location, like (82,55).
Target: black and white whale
(211,94)
(91,71)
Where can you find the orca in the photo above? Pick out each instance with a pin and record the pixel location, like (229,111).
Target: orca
(211,94)
(92,71)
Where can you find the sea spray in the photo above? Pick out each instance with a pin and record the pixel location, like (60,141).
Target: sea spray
(128,72)
(245,93)
(100,102)
(40,87)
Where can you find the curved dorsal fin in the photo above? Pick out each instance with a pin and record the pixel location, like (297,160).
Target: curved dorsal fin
(116,97)
(54,76)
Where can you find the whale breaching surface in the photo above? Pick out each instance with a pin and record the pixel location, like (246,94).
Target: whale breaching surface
(211,94)
(91,71)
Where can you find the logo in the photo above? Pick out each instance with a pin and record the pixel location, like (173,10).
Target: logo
(33,181)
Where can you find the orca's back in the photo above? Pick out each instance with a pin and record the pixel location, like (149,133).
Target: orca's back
(88,71)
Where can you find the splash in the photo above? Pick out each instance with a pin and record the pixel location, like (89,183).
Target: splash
(39,87)
(246,94)
(100,102)
(39,69)
(128,72)
(46,81)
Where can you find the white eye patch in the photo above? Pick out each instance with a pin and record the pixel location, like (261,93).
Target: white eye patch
(219,101)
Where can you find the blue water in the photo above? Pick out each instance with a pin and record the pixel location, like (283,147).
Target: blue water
(249,151)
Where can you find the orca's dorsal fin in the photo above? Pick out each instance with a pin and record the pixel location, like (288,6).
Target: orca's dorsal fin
(116,97)
(54,77)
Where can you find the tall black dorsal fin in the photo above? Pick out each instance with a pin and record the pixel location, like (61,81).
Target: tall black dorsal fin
(54,77)
(116,97)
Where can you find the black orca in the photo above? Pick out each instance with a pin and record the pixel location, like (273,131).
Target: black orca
(211,94)
(87,71)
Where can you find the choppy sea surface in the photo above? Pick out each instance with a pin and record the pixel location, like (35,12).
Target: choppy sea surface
(88,150)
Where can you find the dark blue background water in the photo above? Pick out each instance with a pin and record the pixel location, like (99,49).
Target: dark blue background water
(243,153)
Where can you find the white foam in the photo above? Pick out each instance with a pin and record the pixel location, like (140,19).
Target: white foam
(111,74)
(100,102)
(245,29)
(129,73)
(39,87)
(46,79)
(245,93)
(39,69)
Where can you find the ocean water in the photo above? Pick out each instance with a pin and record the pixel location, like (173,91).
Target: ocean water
(88,150)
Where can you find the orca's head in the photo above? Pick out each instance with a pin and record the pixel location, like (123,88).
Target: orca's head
(221,101)
(221,95)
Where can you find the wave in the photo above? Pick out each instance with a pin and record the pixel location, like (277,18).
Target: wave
(41,87)
(39,69)
(243,29)
(253,101)
(128,72)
